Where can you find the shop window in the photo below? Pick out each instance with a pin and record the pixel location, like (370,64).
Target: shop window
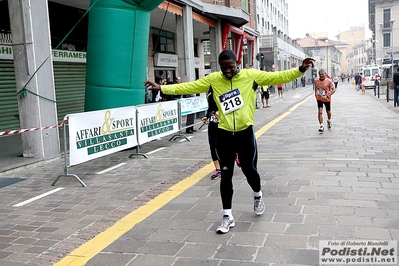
(245,5)
(196,48)
(387,39)
(207,47)
(62,19)
(163,41)
(387,17)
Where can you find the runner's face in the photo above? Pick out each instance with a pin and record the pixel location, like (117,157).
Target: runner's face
(322,75)
(228,68)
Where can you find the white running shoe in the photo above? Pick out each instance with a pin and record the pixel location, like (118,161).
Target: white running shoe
(321,129)
(224,227)
(259,206)
(329,125)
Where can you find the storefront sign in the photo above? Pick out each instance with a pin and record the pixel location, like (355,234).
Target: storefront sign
(58,55)
(69,56)
(6,52)
(165,60)
(197,62)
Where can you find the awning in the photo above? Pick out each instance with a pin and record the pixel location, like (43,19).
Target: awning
(204,20)
(173,8)
(385,66)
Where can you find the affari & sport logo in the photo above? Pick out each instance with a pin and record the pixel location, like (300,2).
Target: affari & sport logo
(357,252)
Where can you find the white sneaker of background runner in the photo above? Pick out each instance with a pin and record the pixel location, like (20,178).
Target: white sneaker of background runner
(225,225)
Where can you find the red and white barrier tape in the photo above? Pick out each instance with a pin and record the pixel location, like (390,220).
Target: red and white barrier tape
(19,131)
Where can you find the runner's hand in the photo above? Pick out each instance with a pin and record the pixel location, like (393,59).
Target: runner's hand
(151,85)
(306,63)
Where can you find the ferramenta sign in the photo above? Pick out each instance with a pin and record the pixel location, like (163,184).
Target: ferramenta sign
(6,52)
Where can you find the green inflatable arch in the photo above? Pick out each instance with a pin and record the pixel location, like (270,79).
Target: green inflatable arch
(117,53)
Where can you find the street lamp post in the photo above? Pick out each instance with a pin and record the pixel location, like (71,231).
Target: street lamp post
(382,43)
(395,93)
(391,22)
(372,51)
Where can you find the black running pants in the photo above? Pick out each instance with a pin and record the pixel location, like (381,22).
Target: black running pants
(228,146)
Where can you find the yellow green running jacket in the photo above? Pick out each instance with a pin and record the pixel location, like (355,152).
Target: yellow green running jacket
(236,97)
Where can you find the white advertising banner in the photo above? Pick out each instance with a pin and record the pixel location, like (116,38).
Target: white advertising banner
(98,133)
(6,52)
(156,120)
(193,105)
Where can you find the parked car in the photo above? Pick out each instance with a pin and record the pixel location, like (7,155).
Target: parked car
(369,73)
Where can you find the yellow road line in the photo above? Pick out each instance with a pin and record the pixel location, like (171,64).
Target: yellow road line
(88,250)
(330,159)
(265,128)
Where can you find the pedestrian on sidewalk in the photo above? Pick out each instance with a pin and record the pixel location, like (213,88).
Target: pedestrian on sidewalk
(280,90)
(362,84)
(335,80)
(234,92)
(376,83)
(156,96)
(324,88)
(396,86)
(265,95)
(358,81)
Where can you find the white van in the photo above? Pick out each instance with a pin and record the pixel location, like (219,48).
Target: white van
(369,72)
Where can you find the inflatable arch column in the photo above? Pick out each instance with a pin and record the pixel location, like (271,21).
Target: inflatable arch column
(117,53)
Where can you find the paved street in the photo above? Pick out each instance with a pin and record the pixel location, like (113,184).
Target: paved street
(164,210)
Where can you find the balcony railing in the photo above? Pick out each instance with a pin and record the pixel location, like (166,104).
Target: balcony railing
(5,38)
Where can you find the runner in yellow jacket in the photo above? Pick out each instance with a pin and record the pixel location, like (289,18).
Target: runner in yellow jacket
(234,92)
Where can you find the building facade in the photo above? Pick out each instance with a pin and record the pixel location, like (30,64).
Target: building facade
(325,52)
(353,37)
(384,24)
(185,40)
(278,50)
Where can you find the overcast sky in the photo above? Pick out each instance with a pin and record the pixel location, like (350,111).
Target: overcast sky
(332,16)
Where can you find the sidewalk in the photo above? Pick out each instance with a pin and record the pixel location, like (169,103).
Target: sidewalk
(164,210)
(383,99)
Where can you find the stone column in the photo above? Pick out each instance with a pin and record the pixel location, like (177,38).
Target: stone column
(215,35)
(32,52)
(185,44)
(276,58)
(201,67)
